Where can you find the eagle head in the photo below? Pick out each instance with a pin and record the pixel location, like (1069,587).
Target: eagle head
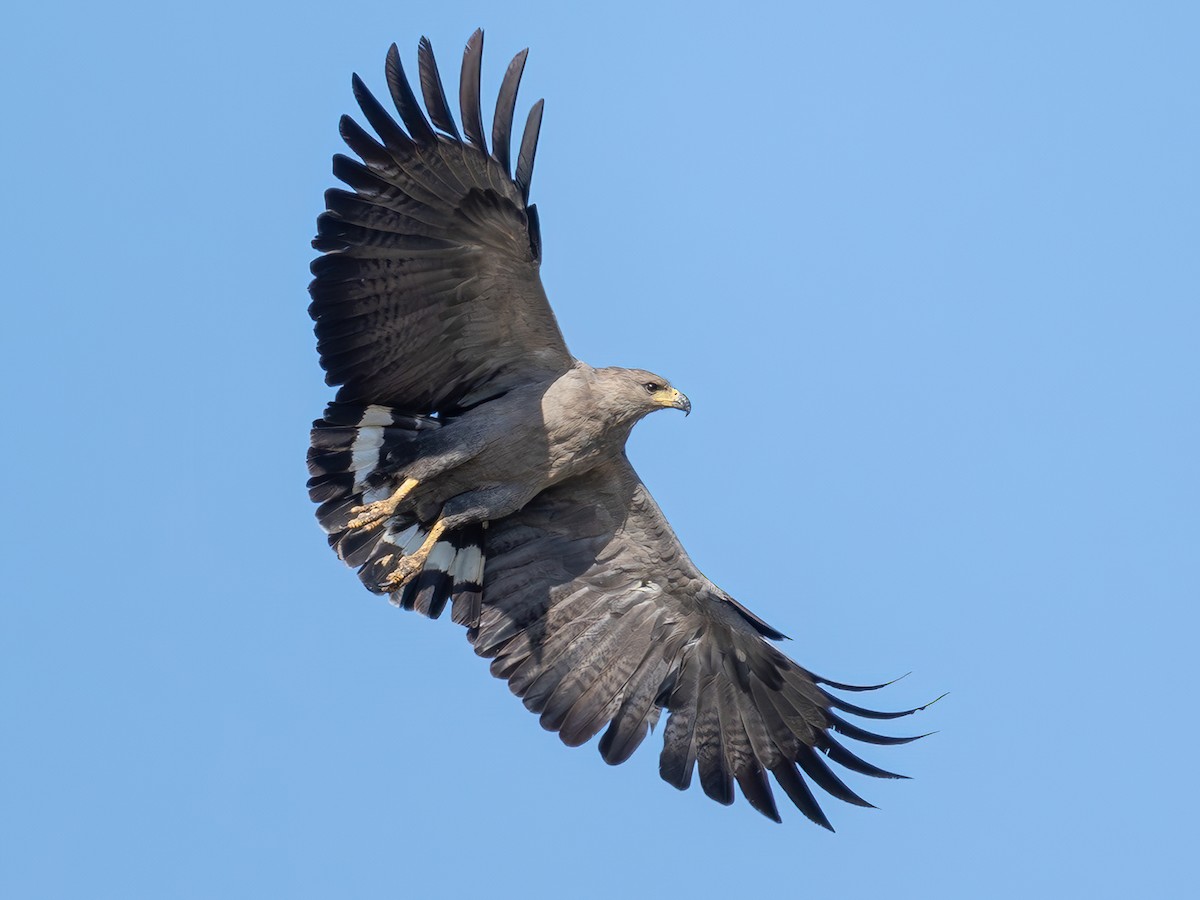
(636,392)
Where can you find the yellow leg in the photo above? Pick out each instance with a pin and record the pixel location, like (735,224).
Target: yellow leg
(414,562)
(374,514)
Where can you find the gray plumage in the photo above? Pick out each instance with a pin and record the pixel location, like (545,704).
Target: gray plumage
(470,460)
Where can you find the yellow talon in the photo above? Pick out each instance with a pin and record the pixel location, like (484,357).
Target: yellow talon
(374,514)
(409,566)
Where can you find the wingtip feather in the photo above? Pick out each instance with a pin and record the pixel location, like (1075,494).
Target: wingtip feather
(469,90)
(506,104)
(433,90)
(855,688)
(528,153)
(405,100)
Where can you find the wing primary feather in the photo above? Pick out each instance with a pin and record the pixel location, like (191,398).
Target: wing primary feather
(406,101)
(850,730)
(385,126)
(780,736)
(432,90)
(851,761)
(841,704)
(506,106)
(816,769)
(757,791)
(364,144)
(798,792)
(529,140)
(359,177)
(468,90)
(837,685)
(756,787)
(767,668)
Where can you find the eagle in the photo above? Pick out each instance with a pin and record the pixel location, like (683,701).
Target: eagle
(469,460)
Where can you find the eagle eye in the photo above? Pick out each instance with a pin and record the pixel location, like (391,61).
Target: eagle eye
(652,387)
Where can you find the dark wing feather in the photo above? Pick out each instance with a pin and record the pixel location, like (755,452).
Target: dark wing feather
(406,101)
(506,106)
(427,297)
(597,618)
(432,90)
(468,91)
(525,158)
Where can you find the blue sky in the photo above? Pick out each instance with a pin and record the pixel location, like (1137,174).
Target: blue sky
(929,274)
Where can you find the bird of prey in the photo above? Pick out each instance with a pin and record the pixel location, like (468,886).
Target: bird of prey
(470,460)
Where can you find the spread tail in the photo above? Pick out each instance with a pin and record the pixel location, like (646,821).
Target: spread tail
(355,457)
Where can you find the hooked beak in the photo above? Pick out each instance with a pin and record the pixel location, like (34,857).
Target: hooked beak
(677,400)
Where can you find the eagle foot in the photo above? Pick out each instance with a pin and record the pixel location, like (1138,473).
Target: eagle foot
(408,567)
(404,571)
(372,515)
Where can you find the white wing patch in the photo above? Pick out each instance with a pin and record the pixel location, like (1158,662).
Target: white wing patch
(364,452)
(440,557)
(467,566)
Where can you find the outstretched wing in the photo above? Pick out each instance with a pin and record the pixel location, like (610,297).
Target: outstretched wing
(598,620)
(427,297)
